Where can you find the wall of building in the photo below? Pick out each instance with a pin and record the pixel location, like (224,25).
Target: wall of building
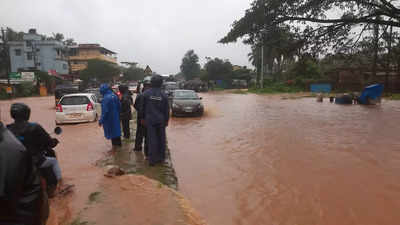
(50,60)
(78,62)
(357,80)
(17,61)
(46,57)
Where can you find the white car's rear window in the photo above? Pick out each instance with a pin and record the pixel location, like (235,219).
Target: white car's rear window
(75,100)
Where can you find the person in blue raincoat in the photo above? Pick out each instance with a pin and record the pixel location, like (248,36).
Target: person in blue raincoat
(155,116)
(110,110)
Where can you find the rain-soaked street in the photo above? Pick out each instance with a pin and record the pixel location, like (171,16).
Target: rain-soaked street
(253,160)
(263,160)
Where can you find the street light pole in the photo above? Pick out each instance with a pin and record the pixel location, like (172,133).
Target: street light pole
(6,54)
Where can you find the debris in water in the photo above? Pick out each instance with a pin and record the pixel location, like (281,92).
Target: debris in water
(113,170)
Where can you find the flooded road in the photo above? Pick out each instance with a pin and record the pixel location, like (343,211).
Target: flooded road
(263,160)
(97,199)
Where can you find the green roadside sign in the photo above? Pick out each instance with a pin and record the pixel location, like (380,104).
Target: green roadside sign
(15,76)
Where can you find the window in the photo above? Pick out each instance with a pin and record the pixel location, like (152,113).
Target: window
(65,66)
(18,52)
(28,43)
(29,55)
(94,98)
(75,100)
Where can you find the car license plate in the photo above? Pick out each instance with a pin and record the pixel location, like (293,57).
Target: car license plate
(188,109)
(75,115)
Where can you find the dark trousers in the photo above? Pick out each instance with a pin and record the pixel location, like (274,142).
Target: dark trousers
(140,135)
(125,128)
(157,143)
(116,141)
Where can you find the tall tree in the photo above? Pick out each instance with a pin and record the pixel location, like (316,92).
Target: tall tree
(218,69)
(190,66)
(318,24)
(99,70)
(133,73)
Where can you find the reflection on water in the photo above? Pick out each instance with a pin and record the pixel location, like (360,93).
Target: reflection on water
(262,160)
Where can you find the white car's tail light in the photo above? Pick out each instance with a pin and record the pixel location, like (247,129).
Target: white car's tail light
(59,108)
(90,107)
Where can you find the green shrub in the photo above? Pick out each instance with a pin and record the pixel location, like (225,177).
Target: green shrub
(271,88)
(3,93)
(25,89)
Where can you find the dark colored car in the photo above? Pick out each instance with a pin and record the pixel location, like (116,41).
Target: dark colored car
(186,102)
(64,89)
(95,91)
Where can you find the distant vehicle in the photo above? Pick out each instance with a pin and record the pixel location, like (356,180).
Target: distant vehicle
(95,91)
(64,89)
(169,87)
(133,87)
(77,108)
(186,102)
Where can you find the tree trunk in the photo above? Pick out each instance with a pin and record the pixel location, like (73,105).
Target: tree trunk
(375,56)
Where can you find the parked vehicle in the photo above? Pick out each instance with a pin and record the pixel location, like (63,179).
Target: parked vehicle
(186,102)
(169,87)
(95,91)
(64,89)
(77,108)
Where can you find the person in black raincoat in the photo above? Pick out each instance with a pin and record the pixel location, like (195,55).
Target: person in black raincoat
(126,112)
(22,198)
(155,116)
(140,129)
(38,143)
(110,109)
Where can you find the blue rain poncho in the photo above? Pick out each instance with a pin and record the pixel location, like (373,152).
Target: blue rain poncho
(110,109)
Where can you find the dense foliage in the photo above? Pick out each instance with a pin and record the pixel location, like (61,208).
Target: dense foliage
(100,71)
(190,66)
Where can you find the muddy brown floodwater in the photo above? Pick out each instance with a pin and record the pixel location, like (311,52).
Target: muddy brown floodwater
(263,160)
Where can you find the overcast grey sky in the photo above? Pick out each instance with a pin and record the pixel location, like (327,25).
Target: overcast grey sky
(153,32)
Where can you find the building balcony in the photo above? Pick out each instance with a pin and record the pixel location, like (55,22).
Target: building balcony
(89,57)
(77,67)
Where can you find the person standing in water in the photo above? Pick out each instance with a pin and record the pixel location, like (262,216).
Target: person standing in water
(110,116)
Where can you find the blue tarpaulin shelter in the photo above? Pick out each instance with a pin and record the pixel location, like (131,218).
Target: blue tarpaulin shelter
(326,88)
(371,92)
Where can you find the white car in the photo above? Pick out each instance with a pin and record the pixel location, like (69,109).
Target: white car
(77,108)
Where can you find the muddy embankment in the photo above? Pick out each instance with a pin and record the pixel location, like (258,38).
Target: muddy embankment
(144,195)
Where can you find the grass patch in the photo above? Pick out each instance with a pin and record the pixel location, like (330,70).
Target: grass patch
(276,88)
(94,196)
(239,91)
(218,89)
(393,97)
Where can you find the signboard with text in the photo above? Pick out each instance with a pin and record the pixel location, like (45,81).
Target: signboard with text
(28,76)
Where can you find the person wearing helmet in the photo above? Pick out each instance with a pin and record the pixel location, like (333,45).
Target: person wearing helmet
(140,129)
(20,190)
(154,115)
(37,143)
(110,115)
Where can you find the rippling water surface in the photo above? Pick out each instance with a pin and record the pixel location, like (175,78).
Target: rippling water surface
(263,160)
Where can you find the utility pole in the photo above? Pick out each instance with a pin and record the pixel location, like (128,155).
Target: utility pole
(262,66)
(6,54)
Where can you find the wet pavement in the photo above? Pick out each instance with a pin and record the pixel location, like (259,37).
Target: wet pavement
(266,160)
